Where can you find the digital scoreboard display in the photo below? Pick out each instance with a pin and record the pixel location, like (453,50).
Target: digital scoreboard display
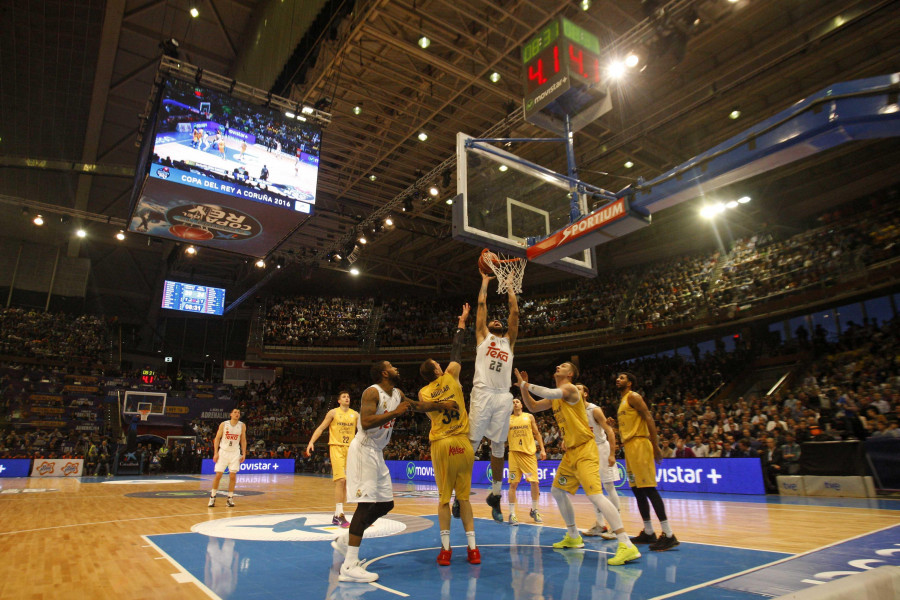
(199,299)
(224,173)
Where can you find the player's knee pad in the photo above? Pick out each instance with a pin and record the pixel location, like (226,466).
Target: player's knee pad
(497,449)
(358,523)
(378,510)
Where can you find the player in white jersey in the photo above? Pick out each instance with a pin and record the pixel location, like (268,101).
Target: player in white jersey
(229,450)
(368,478)
(491,401)
(605,438)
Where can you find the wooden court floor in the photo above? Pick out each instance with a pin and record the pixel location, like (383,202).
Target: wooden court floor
(65,538)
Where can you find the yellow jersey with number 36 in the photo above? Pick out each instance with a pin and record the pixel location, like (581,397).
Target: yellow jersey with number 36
(447,422)
(343,427)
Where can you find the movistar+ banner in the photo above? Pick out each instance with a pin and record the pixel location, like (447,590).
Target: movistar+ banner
(254,465)
(719,475)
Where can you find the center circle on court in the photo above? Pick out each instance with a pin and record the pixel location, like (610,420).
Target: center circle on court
(291,527)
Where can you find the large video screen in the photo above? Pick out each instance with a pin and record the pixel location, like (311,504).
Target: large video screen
(225,173)
(198,299)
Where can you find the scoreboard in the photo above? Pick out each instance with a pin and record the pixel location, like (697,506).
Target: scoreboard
(199,299)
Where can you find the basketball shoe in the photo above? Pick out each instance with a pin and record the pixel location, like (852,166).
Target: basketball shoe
(356,573)
(664,542)
(536,515)
(212,501)
(513,519)
(493,501)
(570,542)
(624,554)
(644,538)
(443,558)
(473,555)
(229,502)
(340,521)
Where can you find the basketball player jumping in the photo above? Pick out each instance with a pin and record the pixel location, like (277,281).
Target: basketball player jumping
(341,424)
(491,401)
(580,463)
(451,452)
(230,451)
(368,478)
(605,438)
(641,445)
(522,460)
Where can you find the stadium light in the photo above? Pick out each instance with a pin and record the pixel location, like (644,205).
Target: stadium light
(433,190)
(363,240)
(732,204)
(628,164)
(190,251)
(121,235)
(194,12)
(389,222)
(743,199)
(585,4)
(502,168)
(81,233)
(307,110)
(422,136)
(707,212)
(38,220)
(373,177)
(289,114)
(449,200)
(424,42)
(735,114)
(357,110)
(719,208)
(616,69)
(495,77)
(261,264)
(354,271)
(632,60)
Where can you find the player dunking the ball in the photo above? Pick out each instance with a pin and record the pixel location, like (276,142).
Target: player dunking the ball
(580,464)
(491,402)
(341,424)
(230,451)
(368,477)
(641,445)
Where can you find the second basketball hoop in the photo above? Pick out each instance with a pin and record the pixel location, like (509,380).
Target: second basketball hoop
(508,271)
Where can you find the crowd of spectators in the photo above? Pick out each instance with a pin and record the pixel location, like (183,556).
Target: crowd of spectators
(680,290)
(31,333)
(307,321)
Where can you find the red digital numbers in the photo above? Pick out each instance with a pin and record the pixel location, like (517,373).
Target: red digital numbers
(546,66)
(587,66)
(536,72)
(577,60)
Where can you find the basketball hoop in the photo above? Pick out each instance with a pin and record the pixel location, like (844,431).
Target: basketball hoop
(509,272)
(145,413)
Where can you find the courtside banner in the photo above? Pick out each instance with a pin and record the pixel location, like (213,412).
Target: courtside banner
(58,467)
(15,467)
(718,475)
(255,465)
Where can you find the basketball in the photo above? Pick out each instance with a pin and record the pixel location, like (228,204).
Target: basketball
(484,261)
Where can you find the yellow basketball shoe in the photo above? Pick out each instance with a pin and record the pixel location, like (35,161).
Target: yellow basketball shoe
(570,542)
(624,554)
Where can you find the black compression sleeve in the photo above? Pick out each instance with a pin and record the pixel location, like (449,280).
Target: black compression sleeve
(456,350)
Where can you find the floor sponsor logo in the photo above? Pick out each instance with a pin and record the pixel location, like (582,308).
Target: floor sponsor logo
(289,527)
(187,494)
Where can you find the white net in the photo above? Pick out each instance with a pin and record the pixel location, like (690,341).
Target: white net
(509,273)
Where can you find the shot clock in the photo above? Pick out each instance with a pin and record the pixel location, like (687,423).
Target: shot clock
(563,77)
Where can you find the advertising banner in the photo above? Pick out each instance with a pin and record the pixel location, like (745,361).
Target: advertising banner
(719,475)
(58,467)
(15,467)
(255,465)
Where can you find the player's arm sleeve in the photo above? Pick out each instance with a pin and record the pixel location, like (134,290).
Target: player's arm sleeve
(456,349)
(548,393)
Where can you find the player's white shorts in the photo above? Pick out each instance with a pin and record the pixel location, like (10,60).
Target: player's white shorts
(607,473)
(489,412)
(232,460)
(368,477)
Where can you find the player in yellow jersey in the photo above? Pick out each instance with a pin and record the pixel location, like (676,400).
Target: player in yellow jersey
(341,424)
(580,464)
(451,451)
(522,460)
(641,445)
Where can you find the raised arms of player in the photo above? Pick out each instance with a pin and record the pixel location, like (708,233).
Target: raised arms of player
(600,419)
(481,330)
(567,392)
(458,337)
(537,434)
(368,406)
(512,324)
(219,435)
(320,430)
(637,403)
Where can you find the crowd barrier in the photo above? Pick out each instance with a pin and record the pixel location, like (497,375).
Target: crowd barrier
(715,475)
(851,486)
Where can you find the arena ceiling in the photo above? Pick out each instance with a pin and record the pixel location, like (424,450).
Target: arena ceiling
(75,76)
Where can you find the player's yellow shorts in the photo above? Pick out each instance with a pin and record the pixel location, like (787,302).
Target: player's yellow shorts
(452,459)
(639,464)
(522,463)
(580,466)
(338,461)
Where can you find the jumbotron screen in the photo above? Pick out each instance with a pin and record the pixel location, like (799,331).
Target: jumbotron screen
(198,299)
(224,173)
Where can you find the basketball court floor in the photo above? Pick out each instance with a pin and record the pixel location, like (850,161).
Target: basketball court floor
(133,537)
